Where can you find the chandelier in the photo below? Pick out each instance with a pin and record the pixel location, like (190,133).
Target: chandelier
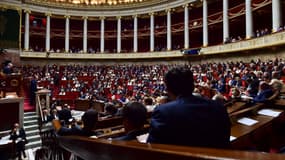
(99,2)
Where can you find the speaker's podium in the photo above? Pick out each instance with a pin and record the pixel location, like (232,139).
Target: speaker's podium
(11,102)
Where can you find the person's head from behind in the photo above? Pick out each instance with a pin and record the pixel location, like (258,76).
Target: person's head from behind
(110,109)
(179,82)
(89,119)
(134,116)
(148,101)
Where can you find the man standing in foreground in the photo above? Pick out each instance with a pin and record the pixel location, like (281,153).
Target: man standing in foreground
(189,120)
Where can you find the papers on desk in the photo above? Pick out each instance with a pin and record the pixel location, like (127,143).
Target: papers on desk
(247,121)
(77,114)
(269,112)
(232,138)
(5,140)
(142,138)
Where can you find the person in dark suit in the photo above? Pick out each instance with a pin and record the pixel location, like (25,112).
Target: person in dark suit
(33,89)
(134,117)
(89,120)
(65,114)
(18,136)
(189,120)
(265,91)
(8,68)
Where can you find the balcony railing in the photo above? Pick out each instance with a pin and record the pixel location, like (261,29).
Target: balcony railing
(146,55)
(261,42)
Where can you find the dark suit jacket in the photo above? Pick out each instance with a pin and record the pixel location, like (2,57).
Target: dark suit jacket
(131,136)
(191,121)
(263,95)
(14,136)
(64,114)
(76,130)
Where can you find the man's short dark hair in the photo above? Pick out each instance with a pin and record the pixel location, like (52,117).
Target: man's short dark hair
(90,118)
(135,113)
(148,101)
(179,81)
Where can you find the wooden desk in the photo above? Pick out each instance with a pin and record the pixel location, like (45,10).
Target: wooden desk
(249,136)
(236,106)
(90,149)
(11,111)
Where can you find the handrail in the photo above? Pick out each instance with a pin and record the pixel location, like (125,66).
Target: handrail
(90,149)
(255,43)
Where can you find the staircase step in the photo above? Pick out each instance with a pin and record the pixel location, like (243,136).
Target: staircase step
(34,144)
(29,113)
(30,122)
(34,138)
(32,132)
(27,117)
(31,127)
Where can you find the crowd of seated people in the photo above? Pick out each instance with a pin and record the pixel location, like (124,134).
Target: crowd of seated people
(258,33)
(118,86)
(135,82)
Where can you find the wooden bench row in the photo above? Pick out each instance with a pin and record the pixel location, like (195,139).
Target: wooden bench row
(90,149)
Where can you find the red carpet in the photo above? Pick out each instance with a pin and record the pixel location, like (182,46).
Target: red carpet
(27,106)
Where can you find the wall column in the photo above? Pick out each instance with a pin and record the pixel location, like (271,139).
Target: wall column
(102,45)
(85,28)
(135,33)
(169,29)
(119,34)
(205,23)
(48,33)
(225,20)
(27,30)
(248,17)
(186,26)
(67,33)
(151,32)
(276,15)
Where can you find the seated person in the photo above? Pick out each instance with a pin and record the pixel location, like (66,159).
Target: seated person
(65,114)
(8,68)
(189,120)
(148,102)
(18,136)
(110,111)
(134,117)
(234,93)
(264,92)
(89,120)
(46,116)
(275,83)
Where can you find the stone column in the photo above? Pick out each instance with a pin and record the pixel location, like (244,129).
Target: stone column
(151,32)
(27,30)
(135,33)
(119,34)
(248,17)
(276,15)
(225,20)
(205,23)
(168,29)
(85,29)
(48,33)
(102,45)
(67,33)
(186,26)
